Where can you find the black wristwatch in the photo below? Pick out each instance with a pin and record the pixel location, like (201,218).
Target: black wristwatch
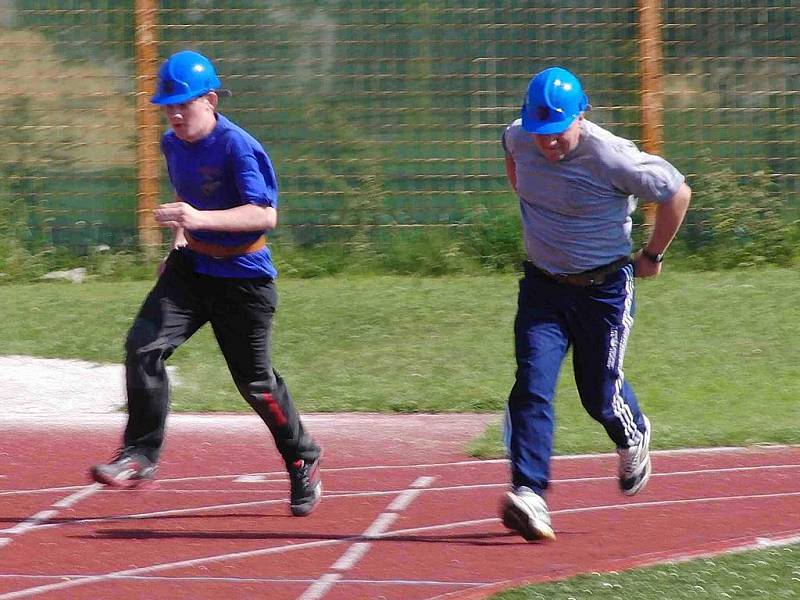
(653,258)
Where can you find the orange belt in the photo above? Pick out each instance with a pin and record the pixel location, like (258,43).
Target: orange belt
(220,251)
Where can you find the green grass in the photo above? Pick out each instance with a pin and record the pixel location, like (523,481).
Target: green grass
(712,355)
(772,574)
(708,353)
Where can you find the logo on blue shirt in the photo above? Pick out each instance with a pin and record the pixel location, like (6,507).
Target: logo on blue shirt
(211,177)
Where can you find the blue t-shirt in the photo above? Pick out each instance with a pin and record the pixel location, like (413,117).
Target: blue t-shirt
(228,168)
(576,213)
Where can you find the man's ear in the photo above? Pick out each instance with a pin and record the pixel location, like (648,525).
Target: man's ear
(213,99)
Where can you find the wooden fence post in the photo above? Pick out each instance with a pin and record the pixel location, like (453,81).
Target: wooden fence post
(651,75)
(148,130)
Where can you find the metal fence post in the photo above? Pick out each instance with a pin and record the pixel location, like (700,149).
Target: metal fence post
(147,126)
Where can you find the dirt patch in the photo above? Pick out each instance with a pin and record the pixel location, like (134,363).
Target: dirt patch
(46,386)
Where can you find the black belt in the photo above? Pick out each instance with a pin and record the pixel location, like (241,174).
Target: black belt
(584,278)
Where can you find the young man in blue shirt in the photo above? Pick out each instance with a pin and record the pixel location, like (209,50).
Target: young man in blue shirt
(219,271)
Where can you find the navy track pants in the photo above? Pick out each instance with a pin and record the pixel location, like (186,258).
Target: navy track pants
(552,317)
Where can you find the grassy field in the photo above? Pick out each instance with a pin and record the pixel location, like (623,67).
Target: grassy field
(772,574)
(713,357)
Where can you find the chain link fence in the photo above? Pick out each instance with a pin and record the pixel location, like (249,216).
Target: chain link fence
(380,113)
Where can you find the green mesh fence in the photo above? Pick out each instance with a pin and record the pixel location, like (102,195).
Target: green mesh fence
(377,113)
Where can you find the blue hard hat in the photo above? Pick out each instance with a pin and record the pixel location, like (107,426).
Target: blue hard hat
(554,100)
(184,76)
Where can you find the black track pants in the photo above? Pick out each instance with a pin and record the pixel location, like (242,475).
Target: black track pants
(240,312)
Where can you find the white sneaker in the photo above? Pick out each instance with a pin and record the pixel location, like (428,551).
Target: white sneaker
(634,464)
(526,512)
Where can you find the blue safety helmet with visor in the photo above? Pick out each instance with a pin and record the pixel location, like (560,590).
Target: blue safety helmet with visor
(184,76)
(554,100)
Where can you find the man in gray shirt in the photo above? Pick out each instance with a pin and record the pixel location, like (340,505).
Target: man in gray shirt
(577,186)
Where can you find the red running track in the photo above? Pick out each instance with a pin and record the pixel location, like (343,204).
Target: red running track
(405,515)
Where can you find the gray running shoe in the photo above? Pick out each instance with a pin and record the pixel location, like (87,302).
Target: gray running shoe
(634,464)
(525,512)
(128,469)
(306,487)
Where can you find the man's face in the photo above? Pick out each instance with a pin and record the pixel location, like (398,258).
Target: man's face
(556,147)
(193,120)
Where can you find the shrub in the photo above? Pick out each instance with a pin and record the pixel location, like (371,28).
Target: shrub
(736,221)
(495,237)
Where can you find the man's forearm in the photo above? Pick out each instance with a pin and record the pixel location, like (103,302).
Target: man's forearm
(668,218)
(248,217)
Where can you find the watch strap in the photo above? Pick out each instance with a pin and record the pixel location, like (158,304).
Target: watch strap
(652,257)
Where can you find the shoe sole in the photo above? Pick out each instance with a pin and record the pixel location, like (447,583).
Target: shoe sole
(517,519)
(647,468)
(305,509)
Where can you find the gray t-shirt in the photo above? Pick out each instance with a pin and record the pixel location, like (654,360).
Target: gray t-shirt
(576,213)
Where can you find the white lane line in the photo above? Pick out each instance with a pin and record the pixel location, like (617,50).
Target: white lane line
(228,506)
(267,477)
(381,524)
(31,522)
(193,562)
(72,500)
(216,507)
(322,543)
(170,513)
(737,546)
(762,542)
(402,502)
(271,477)
(320,587)
(718,470)
(278,580)
(328,495)
(41,517)
(47,490)
(656,503)
(354,554)
(701,500)
(599,508)
(358,550)
(253,479)
(157,491)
